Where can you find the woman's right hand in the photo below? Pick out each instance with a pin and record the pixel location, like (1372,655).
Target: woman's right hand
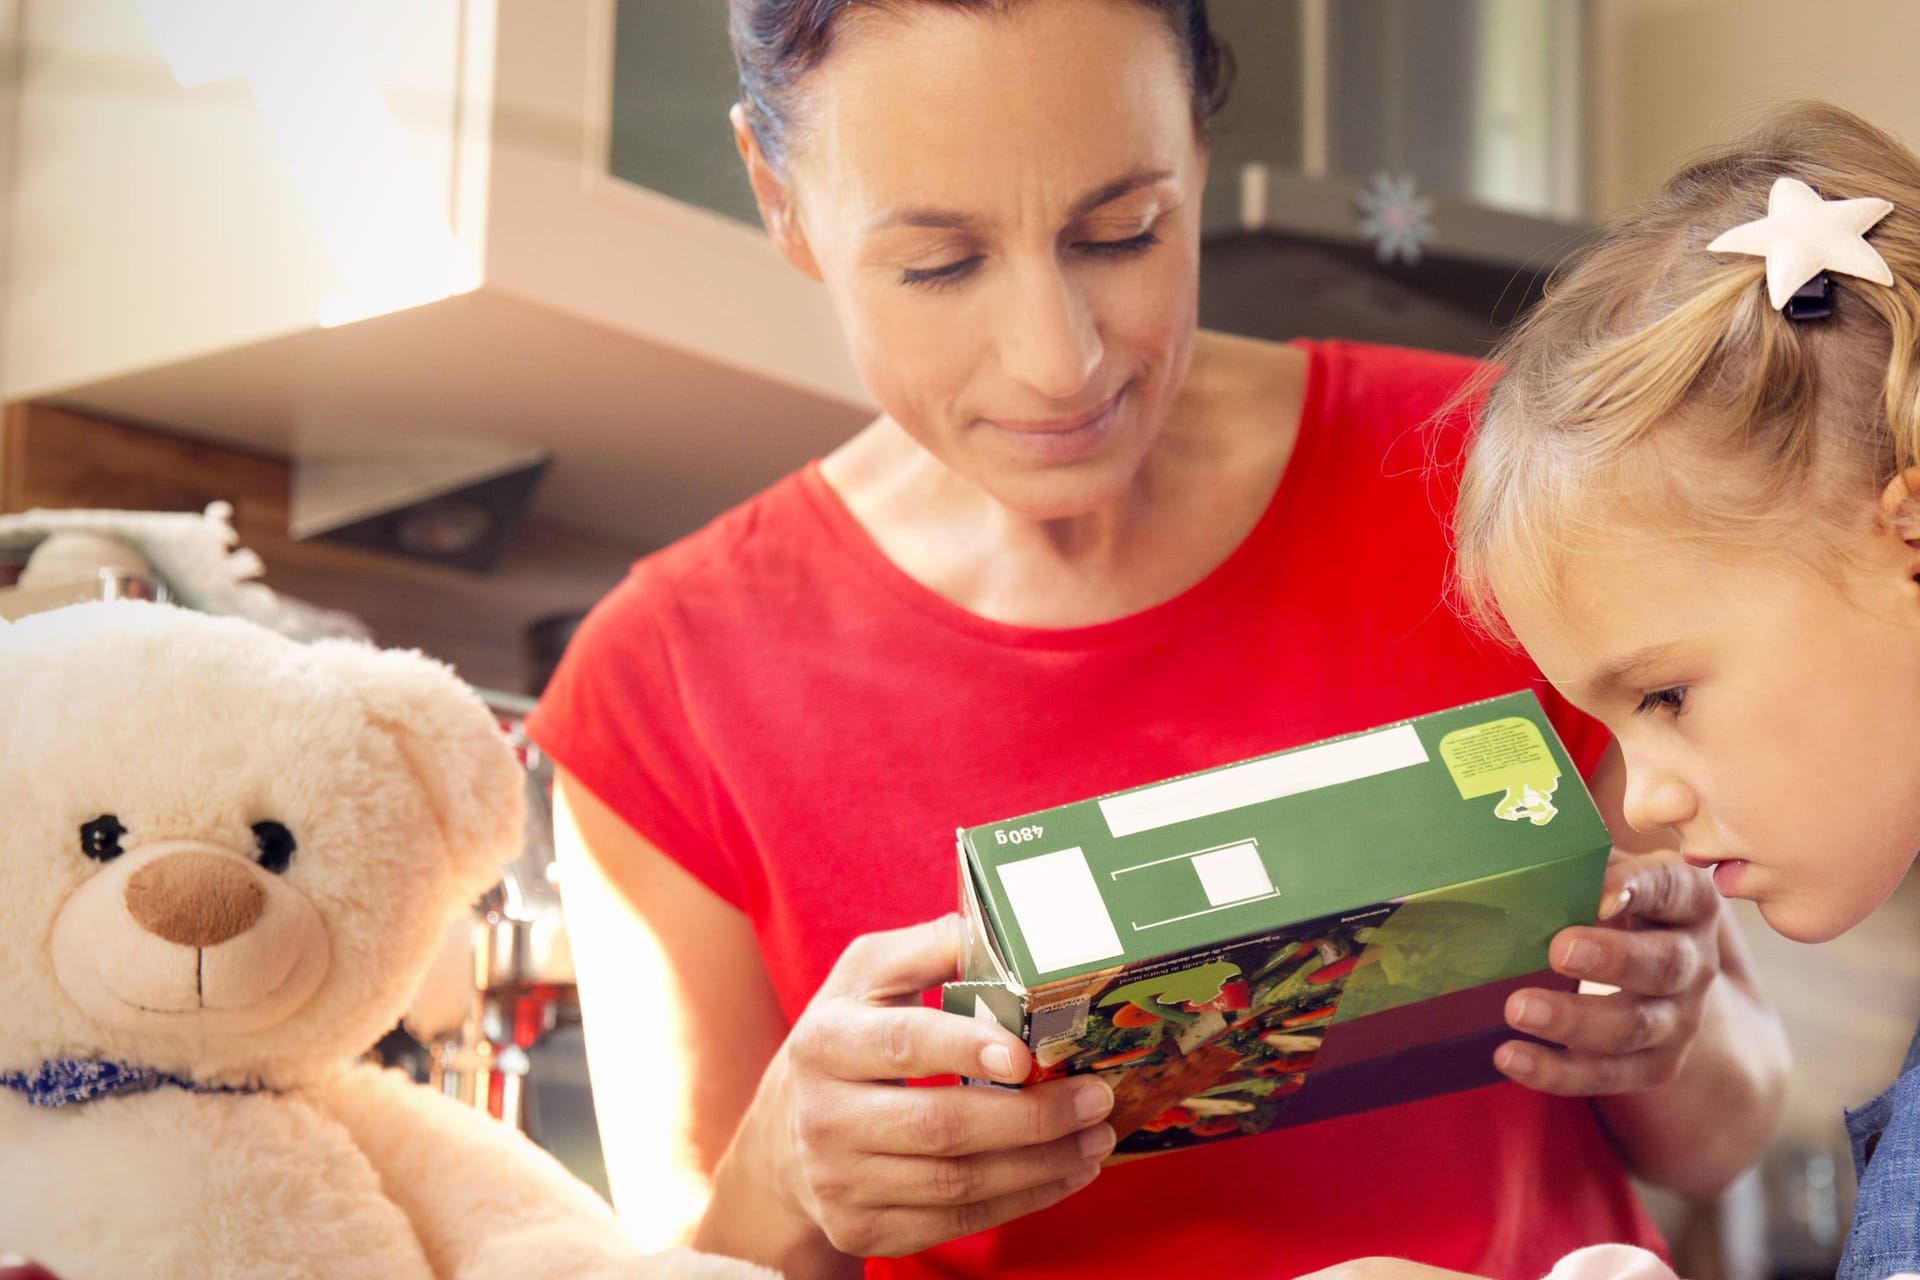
(881,1169)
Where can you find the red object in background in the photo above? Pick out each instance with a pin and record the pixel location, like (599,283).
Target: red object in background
(14,1267)
(533,1013)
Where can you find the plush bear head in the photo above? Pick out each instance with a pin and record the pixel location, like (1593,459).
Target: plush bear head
(224,855)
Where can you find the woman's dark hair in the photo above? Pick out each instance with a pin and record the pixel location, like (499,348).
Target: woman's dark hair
(777,42)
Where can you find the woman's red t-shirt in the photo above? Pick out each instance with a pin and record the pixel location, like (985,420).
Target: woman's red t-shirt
(802,727)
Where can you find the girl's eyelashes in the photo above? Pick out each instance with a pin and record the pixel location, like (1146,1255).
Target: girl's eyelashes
(953,273)
(1670,700)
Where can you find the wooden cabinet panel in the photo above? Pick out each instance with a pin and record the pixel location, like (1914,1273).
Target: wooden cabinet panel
(53,458)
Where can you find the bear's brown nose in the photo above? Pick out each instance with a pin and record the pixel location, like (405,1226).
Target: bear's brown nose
(195,899)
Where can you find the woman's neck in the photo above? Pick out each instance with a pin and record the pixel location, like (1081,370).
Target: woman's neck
(1197,494)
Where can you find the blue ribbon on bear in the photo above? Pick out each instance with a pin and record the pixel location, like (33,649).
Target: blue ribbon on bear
(66,1081)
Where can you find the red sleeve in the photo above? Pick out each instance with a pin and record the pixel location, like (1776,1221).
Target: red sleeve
(614,717)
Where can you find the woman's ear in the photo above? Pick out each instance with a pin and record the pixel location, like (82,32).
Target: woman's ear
(771,193)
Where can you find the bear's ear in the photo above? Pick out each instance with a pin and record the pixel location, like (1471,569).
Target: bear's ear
(453,746)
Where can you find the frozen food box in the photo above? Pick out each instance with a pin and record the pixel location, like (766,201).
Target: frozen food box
(1293,937)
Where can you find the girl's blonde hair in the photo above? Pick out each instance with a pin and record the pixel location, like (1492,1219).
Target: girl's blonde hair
(1654,378)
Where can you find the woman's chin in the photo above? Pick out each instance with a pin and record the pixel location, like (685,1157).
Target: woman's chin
(1057,494)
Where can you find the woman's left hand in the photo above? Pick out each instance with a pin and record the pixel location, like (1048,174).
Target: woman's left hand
(1658,944)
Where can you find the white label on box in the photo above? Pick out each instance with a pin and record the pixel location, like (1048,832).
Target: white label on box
(1237,786)
(1059,910)
(1233,874)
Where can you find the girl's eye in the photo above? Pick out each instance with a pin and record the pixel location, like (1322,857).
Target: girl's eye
(1669,700)
(939,277)
(1119,248)
(100,839)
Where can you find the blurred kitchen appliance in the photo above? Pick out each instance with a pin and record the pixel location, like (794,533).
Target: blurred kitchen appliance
(75,567)
(509,962)
(111,584)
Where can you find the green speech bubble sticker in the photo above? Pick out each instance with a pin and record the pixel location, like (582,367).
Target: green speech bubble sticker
(1508,758)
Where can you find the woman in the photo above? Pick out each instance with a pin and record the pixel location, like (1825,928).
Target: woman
(1084,547)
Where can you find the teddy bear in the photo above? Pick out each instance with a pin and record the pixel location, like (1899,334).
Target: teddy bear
(225,860)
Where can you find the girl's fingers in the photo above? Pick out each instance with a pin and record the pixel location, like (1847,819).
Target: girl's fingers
(1614,1024)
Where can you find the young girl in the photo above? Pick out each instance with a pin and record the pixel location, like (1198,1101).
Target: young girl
(1693,501)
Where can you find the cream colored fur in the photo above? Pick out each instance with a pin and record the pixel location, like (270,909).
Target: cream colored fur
(184,954)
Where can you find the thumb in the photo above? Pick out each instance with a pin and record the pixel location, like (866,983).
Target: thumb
(898,964)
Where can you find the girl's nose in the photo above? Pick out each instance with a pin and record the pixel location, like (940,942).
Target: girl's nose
(1051,343)
(1656,799)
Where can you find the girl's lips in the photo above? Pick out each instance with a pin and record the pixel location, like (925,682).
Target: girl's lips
(1727,876)
(1727,872)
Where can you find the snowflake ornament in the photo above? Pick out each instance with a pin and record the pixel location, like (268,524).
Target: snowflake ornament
(1395,217)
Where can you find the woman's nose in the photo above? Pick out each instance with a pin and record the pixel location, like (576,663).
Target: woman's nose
(1051,343)
(1656,800)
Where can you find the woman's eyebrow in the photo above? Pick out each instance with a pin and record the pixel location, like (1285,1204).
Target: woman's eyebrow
(952,220)
(1120,187)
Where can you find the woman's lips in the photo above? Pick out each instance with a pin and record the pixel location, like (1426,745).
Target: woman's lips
(1064,438)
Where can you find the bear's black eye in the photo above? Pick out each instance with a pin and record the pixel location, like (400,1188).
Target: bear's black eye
(276,845)
(100,839)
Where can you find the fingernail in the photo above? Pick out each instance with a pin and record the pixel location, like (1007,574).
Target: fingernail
(997,1060)
(1092,1101)
(1579,957)
(1616,902)
(1514,1060)
(1532,1013)
(1097,1142)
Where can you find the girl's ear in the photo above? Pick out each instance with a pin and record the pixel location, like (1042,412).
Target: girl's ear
(1900,505)
(1900,514)
(773,195)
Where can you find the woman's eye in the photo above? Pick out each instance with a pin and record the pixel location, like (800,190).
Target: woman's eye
(276,845)
(1119,248)
(100,839)
(1669,700)
(936,277)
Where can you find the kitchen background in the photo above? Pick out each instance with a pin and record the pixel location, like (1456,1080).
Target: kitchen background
(460,304)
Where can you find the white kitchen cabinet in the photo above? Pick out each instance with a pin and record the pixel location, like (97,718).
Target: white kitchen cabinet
(323,228)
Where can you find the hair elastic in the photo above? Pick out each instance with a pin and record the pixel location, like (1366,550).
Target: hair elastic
(1812,300)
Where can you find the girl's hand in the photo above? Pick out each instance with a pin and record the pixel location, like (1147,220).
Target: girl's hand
(1657,944)
(883,1169)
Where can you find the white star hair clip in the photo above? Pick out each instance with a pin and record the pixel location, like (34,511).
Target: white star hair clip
(1803,236)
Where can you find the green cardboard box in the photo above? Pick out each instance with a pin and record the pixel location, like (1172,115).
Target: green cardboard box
(1294,937)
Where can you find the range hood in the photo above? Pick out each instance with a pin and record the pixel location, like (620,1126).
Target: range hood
(1396,170)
